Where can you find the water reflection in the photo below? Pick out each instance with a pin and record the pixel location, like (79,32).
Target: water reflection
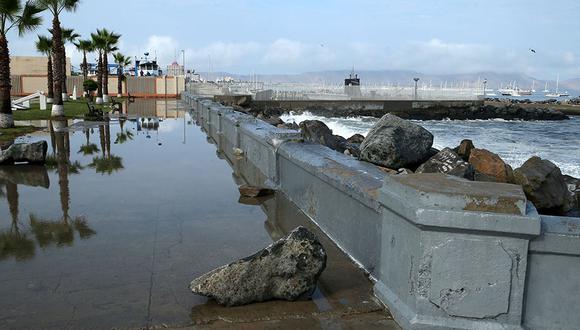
(20,240)
(107,163)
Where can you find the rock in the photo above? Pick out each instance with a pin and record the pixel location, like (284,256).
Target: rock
(353,149)
(288,269)
(32,153)
(356,139)
(274,121)
(464,149)
(573,185)
(544,185)
(252,191)
(394,143)
(317,132)
(490,167)
(449,162)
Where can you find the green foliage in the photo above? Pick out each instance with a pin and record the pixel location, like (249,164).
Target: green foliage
(89,149)
(14,14)
(72,109)
(123,137)
(90,85)
(44,45)
(17,245)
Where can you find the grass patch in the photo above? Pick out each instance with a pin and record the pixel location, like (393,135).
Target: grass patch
(72,109)
(9,134)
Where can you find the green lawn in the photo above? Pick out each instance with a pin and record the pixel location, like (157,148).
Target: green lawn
(72,109)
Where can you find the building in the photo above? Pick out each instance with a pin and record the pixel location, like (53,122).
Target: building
(32,66)
(175,70)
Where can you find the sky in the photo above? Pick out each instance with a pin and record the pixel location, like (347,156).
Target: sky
(274,36)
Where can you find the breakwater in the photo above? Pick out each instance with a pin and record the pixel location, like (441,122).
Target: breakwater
(419,110)
(444,252)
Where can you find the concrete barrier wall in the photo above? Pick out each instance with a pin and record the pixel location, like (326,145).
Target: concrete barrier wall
(136,86)
(444,252)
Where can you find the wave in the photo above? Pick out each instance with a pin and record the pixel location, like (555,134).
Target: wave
(514,141)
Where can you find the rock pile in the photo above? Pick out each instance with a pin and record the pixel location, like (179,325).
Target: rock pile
(288,269)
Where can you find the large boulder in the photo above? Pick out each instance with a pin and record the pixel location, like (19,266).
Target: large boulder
(544,185)
(288,269)
(449,162)
(394,143)
(32,153)
(317,132)
(490,167)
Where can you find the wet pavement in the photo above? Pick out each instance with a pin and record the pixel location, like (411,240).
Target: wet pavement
(125,214)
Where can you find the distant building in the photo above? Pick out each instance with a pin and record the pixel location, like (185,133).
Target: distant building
(175,70)
(32,66)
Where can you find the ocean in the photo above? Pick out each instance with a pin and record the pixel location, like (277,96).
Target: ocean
(514,141)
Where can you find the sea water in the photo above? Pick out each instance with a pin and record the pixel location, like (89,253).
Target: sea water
(514,141)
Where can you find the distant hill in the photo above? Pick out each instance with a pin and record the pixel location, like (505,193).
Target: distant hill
(405,78)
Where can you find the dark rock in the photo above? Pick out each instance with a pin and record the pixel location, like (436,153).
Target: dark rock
(464,149)
(252,191)
(288,269)
(447,162)
(33,153)
(573,185)
(404,171)
(490,167)
(356,139)
(291,125)
(394,143)
(544,185)
(317,132)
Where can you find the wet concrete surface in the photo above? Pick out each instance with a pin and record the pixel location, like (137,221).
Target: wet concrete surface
(110,233)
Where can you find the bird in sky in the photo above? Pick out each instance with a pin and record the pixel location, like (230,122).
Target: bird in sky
(532,50)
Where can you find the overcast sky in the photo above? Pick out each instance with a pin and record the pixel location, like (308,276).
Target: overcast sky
(275,36)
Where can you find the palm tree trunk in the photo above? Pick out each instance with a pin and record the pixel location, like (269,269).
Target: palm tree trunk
(6,119)
(58,52)
(105,76)
(85,66)
(100,78)
(49,86)
(64,89)
(119,81)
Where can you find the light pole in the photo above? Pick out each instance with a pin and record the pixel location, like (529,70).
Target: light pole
(416,81)
(484,86)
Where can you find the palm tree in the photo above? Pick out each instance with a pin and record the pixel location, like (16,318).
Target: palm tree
(68,35)
(25,18)
(122,61)
(44,46)
(110,40)
(85,46)
(56,7)
(99,45)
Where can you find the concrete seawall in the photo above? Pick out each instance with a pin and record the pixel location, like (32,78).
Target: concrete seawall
(444,252)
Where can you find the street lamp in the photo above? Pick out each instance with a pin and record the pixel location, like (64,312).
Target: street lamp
(484,86)
(416,81)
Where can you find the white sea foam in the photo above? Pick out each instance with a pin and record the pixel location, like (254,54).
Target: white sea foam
(514,141)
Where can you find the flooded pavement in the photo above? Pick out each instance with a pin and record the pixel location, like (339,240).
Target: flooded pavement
(125,214)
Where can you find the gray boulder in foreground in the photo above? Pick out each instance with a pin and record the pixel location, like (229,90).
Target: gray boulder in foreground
(32,153)
(394,143)
(288,269)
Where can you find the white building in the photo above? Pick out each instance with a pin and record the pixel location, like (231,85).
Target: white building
(175,70)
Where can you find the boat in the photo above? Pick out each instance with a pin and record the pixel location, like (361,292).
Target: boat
(146,67)
(557,93)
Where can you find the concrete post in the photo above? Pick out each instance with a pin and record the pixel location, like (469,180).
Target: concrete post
(43,102)
(456,256)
